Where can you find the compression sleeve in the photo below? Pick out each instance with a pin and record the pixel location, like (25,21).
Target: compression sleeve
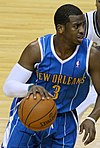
(15,85)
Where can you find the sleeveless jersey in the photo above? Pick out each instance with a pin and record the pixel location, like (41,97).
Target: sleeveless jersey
(68,79)
(92,27)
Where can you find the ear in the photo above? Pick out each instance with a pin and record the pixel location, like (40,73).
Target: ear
(60,28)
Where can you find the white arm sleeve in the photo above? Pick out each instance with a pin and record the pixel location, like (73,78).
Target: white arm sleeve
(15,85)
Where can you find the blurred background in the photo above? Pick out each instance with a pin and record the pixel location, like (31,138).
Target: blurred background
(22,21)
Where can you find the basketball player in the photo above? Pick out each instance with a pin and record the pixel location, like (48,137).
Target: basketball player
(93,33)
(58,65)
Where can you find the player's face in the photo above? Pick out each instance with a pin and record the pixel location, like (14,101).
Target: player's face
(98,5)
(75,28)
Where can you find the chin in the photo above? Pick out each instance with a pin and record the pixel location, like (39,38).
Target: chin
(79,41)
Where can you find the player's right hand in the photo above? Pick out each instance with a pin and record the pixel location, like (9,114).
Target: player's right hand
(33,89)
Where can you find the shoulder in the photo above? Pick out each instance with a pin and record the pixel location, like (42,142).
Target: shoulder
(30,55)
(33,50)
(33,45)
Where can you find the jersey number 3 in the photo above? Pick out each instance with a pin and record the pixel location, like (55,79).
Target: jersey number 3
(56,91)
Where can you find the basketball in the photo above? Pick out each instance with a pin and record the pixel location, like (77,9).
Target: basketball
(37,114)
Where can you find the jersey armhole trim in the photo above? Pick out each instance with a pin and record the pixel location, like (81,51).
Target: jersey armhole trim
(88,54)
(41,50)
(87,25)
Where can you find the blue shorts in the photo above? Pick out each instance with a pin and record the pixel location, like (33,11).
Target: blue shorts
(61,134)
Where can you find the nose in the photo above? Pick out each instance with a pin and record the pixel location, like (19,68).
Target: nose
(82,29)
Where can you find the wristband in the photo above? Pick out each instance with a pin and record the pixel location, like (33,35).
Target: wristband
(90,118)
(29,87)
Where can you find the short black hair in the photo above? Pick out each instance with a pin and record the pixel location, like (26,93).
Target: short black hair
(62,14)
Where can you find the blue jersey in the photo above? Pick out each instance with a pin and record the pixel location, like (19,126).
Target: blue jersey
(68,80)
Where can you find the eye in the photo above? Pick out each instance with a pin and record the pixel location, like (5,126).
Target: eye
(75,26)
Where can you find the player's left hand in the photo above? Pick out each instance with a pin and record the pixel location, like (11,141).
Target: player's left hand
(89,131)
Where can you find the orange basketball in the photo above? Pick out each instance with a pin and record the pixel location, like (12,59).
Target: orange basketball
(37,114)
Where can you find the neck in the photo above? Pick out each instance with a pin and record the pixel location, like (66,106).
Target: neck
(98,15)
(98,20)
(63,48)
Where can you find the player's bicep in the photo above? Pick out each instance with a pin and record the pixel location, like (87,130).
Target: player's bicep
(95,69)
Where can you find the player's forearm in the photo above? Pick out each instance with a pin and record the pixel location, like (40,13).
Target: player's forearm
(13,88)
(95,114)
